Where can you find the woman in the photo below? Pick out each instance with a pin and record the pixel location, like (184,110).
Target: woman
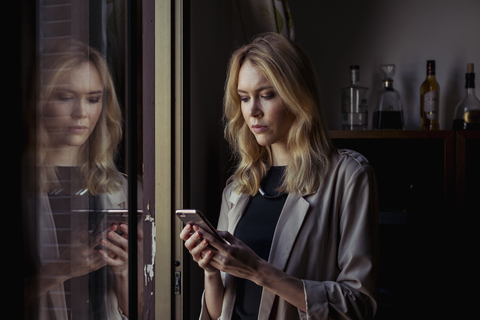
(300,216)
(83,258)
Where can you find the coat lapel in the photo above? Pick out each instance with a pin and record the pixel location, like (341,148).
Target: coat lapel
(239,203)
(288,226)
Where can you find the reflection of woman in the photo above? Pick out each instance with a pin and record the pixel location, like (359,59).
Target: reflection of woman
(82,275)
(303,215)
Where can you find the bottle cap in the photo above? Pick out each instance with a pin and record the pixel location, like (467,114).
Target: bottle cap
(354,73)
(388,71)
(469,67)
(431,67)
(470,76)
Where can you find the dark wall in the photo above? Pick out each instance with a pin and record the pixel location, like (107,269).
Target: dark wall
(337,34)
(211,43)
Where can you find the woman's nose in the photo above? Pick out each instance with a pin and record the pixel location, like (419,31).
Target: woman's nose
(80,109)
(256,109)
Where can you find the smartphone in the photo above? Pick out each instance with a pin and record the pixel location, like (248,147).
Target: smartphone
(195,217)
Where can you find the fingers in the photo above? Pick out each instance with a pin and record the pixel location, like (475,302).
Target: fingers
(200,244)
(118,241)
(207,256)
(114,249)
(228,237)
(123,230)
(196,244)
(212,240)
(194,241)
(186,232)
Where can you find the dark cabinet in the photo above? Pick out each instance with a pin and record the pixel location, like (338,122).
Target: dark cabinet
(422,172)
(429,217)
(467,173)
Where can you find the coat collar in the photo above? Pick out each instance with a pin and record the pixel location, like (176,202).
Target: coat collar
(115,200)
(288,226)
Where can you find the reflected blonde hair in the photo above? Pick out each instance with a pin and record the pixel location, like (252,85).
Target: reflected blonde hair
(287,67)
(98,165)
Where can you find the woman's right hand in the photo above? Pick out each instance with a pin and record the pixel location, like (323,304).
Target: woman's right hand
(203,254)
(198,248)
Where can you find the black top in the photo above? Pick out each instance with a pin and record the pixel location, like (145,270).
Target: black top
(256,230)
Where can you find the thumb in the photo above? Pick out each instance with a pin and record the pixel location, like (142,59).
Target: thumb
(228,236)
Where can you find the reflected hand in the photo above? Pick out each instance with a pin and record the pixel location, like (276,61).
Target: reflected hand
(115,251)
(116,248)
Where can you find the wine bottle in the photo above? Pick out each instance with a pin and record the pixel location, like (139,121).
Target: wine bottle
(430,99)
(354,103)
(467,112)
(389,112)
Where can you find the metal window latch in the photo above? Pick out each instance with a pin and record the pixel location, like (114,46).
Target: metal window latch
(178,282)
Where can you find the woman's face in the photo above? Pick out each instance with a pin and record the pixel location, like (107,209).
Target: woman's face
(263,109)
(74,107)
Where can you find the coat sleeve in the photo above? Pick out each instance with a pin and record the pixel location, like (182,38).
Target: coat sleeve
(351,295)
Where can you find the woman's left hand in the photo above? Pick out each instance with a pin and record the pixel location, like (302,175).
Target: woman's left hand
(236,259)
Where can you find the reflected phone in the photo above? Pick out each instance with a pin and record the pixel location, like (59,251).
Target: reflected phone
(195,217)
(99,220)
(106,218)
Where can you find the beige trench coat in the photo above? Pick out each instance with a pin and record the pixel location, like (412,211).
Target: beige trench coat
(329,239)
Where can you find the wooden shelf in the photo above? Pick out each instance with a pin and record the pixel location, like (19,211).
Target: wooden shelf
(391,134)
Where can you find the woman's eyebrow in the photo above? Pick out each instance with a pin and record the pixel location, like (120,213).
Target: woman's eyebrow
(256,90)
(60,89)
(96,92)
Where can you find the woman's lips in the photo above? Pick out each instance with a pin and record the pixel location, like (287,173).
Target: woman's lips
(78,129)
(257,128)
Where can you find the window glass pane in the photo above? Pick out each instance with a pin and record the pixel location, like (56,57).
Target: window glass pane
(82,202)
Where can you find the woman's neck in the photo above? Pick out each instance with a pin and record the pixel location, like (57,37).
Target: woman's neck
(65,156)
(280,156)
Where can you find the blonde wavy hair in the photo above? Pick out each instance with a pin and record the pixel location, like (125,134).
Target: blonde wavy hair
(288,68)
(97,167)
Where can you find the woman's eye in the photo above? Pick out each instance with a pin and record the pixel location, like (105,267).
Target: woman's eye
(244,99)
(94,99)
(65,98)
(268,96)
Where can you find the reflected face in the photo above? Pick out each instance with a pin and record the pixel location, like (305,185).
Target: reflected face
(263,109)
(74,108)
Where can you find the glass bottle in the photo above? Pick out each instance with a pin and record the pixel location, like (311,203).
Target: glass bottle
(388,113)
(354,103)
(430,99)
(467,112)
